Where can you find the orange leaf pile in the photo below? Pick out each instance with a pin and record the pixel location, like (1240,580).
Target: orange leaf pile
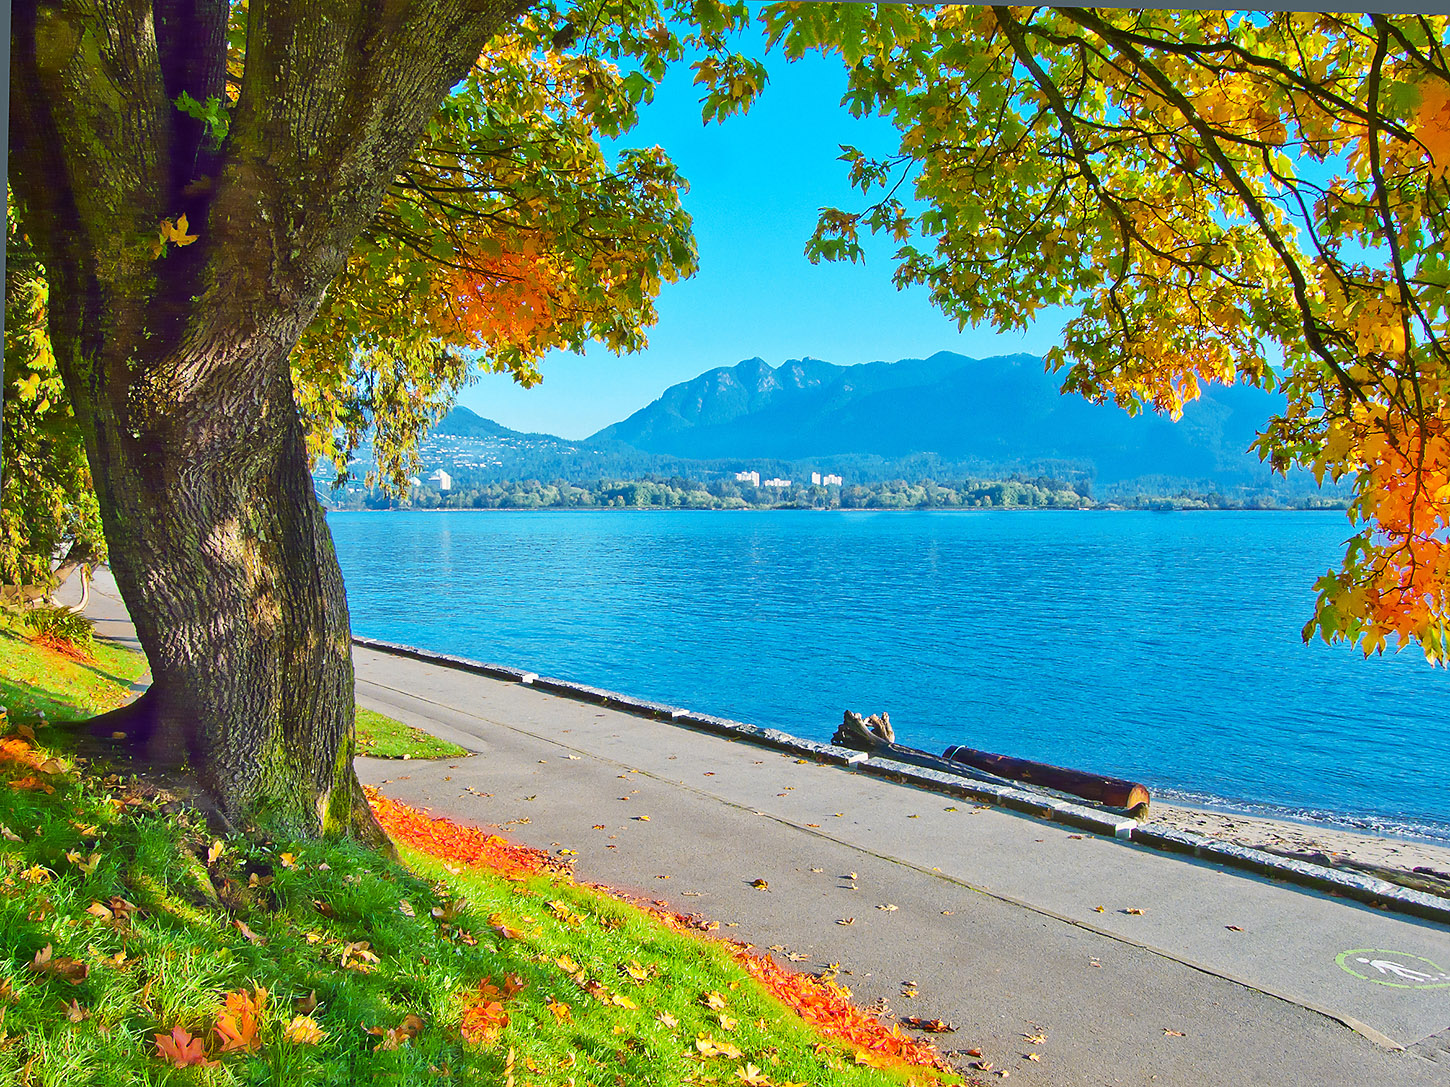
(822,1004)
(453,841)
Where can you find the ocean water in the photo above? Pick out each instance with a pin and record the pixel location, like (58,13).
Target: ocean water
(1162,647)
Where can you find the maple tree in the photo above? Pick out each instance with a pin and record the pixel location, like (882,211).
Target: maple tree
(1220,197)
(278,223)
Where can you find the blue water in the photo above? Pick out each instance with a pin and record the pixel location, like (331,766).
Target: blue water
(1161,647)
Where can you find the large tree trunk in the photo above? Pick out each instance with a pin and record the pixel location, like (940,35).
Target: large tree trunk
(177,363)
(237,597)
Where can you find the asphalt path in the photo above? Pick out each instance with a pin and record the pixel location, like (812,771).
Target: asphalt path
(1135,967)
(1108,962)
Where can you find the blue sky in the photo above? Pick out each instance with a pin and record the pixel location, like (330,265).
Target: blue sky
(755,185)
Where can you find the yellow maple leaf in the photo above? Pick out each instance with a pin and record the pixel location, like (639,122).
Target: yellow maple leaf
(303,1030)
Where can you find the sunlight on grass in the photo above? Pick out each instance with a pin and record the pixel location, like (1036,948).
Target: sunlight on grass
(382,737)
(35,680)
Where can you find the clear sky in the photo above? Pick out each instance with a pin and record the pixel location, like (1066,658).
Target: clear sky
(755,185)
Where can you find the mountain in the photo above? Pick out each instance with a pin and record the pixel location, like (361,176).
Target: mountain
(1006,412)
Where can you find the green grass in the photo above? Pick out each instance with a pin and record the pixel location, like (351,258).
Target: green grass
(383,738)
(376,941)
(35,680)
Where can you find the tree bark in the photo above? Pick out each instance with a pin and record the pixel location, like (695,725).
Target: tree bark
(176,362)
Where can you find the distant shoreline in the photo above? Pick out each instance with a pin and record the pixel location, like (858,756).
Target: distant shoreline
(837,509)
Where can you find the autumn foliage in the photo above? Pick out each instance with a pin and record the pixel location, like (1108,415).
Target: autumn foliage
(1213,197)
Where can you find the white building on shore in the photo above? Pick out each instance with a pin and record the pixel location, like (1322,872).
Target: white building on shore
(753,478)
(441,481)
(777,482)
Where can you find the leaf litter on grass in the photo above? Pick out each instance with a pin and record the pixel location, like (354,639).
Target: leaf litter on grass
(180,963)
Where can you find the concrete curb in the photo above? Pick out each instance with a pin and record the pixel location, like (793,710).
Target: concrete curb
(1369,890)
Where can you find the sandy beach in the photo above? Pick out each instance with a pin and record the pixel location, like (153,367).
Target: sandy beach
(1340,846)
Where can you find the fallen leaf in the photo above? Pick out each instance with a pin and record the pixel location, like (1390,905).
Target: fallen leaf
(845,920)
(933,1026)
(713,1000)
(406,908)
(95,909)
(760,884)
(305,1005)
(1097,909)
(237,1027)
(180,1049)
(289,860)
(358,956)
(216,850)
(665,1019)
(75,1013)
(250,936)
(1133,911)
(393,1037)
(66,968)
(84,863)
(888,907)
(303,1030)
(560,1011)
(726,1022)
(1032,1056)
(1233,928)
(1173,1033)
(751,1076)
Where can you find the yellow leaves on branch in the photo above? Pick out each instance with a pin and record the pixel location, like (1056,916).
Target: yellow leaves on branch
(1396,578)
(1432,124)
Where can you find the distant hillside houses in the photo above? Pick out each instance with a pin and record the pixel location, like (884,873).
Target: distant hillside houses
(817,480)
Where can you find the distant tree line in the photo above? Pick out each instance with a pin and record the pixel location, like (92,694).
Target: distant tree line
(678,492)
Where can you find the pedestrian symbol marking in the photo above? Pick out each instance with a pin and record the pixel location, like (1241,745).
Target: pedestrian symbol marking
(1398,969)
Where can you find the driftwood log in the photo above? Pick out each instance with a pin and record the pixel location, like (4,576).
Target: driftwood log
(864,734)
(874,734)
(1108,791)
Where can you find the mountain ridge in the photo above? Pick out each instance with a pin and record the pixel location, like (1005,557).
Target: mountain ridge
(1004,409)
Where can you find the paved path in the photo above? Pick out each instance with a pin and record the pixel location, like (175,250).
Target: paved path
(1222,978)
(996,921)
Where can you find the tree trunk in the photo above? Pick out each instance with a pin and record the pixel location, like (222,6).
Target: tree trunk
(238,600)
(175,357)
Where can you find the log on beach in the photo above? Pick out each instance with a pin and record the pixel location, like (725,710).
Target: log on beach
(1109,791)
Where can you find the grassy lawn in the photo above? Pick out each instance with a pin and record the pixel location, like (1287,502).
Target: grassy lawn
(383,738)
(35,681)
(137,947)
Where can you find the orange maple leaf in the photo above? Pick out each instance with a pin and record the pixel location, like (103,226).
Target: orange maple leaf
(237,1026)
(180,1049)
